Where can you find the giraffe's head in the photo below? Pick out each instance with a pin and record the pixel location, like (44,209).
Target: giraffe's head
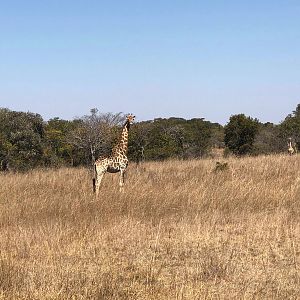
(130,118)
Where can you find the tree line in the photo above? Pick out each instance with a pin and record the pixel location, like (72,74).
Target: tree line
(27,141)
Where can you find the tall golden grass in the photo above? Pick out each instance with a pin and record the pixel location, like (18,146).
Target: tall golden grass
(180,230)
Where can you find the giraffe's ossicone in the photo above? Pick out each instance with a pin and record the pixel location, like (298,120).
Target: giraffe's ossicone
(117,161)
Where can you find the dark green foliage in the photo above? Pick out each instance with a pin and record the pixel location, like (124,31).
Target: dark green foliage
(139,141)
(173,138)
(240,134)
(58,150)
(26,141)
(164,140)
(199,134)
(21,137)
(267,140)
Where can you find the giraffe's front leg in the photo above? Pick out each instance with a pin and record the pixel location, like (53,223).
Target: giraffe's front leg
(121,182)
(98,182)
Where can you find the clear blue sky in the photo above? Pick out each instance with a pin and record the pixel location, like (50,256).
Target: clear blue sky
(153,58)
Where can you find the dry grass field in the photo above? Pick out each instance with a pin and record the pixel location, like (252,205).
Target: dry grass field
(180,230)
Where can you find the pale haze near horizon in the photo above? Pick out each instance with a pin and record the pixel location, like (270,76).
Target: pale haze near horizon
(189,59)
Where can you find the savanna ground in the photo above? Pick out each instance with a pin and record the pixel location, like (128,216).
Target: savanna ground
(180,230)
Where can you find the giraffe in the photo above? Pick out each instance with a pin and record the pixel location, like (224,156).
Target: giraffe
(117,161)
(291,147)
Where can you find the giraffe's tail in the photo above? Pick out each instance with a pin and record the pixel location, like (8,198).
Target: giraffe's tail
(94,178)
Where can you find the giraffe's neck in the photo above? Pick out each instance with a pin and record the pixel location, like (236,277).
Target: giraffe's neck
(122,146)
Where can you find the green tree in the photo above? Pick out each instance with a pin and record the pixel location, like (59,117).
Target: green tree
(162,144)
(139,140)
(174,137)
(58,150)
(240,134)
(266,140)
(21,139)
(198,137)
